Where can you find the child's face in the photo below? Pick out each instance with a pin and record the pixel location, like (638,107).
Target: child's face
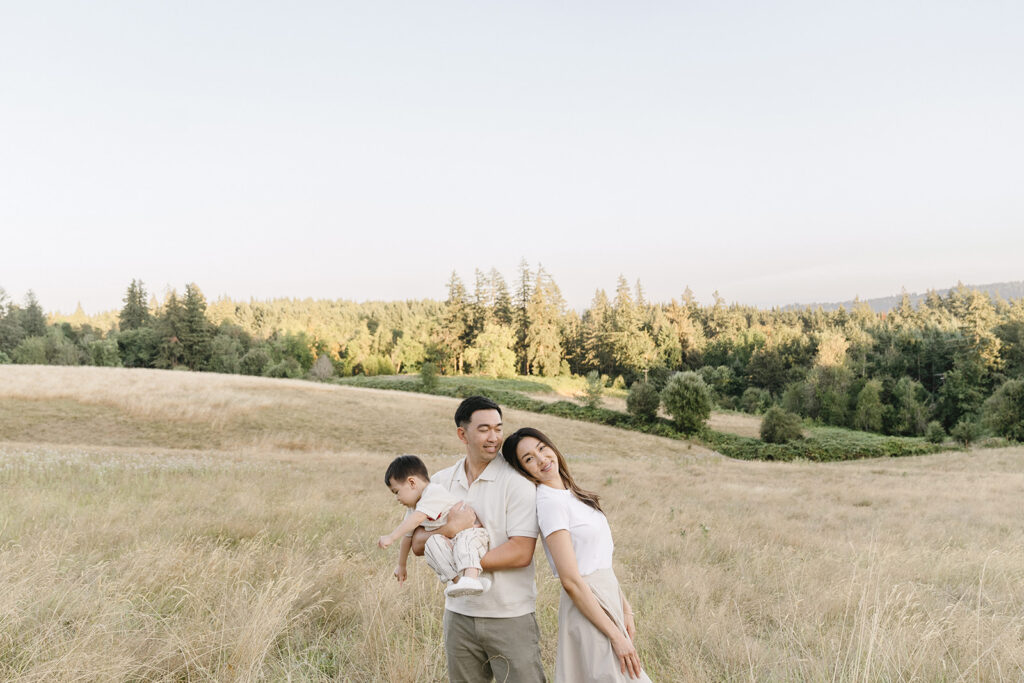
(407,491)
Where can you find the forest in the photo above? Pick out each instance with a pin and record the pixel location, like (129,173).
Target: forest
(950,359)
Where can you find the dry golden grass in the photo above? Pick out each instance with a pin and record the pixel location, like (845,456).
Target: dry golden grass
(161,525)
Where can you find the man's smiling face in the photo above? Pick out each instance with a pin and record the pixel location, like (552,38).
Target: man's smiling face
(482,435)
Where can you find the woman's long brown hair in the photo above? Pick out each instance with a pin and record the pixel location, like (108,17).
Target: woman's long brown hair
(511,444)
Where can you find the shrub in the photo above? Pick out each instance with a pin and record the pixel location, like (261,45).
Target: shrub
(688,400)
(31,351)
(867,416)
(755,400)
(780,426)
(255,361)
(323,368)
(593,391)
(4,358)
(289,367)
(1004,410)
(428,376)
(103,352)
(225,355)
(643,401)
(935,433)
(965,432)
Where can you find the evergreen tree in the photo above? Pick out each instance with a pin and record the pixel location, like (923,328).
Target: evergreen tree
(502,302)
(479,307)
(543,337)
(521,303)
(135,313)
(454,325)
(597,335)
(632,347)
(170,328)
(196,331)
(33,321)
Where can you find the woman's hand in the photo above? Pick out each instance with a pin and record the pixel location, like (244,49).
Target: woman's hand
(384,541)
(400,573)
(629,661)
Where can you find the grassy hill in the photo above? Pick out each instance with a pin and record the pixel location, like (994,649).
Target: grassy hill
(170,525)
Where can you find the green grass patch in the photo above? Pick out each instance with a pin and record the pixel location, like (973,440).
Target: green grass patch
(824,444)
(522,384)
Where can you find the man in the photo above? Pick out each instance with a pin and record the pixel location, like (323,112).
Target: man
(493,635)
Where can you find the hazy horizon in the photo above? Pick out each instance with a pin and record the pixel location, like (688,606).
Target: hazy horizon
(791,153)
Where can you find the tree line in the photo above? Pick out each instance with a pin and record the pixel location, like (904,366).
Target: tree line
(893,373)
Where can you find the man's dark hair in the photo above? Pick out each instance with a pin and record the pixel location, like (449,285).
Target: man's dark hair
(464,413)
(403,467)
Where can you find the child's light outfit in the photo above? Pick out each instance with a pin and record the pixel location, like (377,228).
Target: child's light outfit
(447,558)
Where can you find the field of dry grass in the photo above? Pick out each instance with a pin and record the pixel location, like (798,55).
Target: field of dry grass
(166,525)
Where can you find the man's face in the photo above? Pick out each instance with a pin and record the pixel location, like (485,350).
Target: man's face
(482,435)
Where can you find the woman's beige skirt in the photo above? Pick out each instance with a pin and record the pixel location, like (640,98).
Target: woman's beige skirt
(584,653)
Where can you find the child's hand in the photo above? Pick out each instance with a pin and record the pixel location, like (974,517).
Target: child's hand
(384,541)
(400,573)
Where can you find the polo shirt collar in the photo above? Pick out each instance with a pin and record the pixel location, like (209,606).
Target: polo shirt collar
(490,472)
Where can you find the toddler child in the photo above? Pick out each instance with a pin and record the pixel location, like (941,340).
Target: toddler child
(428,505)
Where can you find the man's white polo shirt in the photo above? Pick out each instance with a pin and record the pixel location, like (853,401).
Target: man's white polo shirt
(506,503)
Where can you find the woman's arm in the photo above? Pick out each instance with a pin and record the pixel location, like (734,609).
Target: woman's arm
(560,547)
(627,616)
(406,527)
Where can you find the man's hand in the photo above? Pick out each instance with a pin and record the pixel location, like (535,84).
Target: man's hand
(384,541)
(401,574)
(460,518)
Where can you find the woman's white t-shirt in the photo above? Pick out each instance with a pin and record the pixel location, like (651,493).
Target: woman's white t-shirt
(591,536)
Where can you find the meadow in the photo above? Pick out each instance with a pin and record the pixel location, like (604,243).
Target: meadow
(161,525)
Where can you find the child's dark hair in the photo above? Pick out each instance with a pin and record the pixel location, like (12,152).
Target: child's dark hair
(405,466)
(464,413)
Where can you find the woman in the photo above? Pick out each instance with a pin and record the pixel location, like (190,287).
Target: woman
(595,621)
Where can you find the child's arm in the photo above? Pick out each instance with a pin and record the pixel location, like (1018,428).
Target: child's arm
(403,556)
(406,527)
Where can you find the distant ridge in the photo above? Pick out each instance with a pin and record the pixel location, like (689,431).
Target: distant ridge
(1006,290)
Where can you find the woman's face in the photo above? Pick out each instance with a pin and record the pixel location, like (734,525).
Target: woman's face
(539,460)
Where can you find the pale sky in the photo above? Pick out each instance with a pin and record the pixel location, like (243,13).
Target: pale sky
(775,152)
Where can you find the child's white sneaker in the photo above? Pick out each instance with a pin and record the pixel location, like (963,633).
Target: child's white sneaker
(467,585)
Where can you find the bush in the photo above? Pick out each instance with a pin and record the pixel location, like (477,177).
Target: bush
(935,433)
(593,391)
(755,400)
(289,367)
(780,426)
(428,376)
(4,358)
(643,401)
(255,361)
(323,368)
(688,400)
(867,415)
(965,432)
(1004,410)
(103,353)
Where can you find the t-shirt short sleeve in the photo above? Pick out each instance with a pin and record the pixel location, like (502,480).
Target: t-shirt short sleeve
(552,514)
(521,508)
(435,501)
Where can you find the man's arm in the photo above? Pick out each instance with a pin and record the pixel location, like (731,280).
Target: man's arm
(460,518)
(514,553)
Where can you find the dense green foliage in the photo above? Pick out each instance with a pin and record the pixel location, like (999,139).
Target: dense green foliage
(688,400)
(780,426)
(1004,410)
(643,401)
(890,373)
